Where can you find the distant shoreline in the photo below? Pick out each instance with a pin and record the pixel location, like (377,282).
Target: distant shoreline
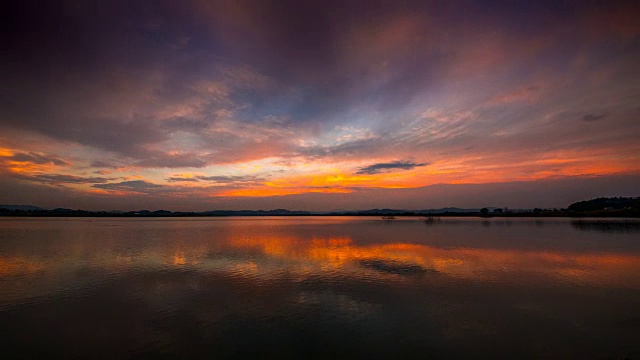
(615,207)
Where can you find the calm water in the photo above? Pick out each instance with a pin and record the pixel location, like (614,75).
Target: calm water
(302,287)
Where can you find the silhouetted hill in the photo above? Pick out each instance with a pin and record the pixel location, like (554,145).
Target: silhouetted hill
(614,203)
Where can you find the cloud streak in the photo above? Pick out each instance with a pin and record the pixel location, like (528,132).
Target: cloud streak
(221,179)
(389,167)
(136,186)
(594,117)
(39,159)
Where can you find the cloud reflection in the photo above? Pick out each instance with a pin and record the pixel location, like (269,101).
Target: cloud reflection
(310,256)
(275,251)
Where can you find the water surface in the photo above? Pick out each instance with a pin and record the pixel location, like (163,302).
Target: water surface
(299,287)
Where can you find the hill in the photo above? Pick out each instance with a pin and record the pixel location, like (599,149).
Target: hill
(613,203)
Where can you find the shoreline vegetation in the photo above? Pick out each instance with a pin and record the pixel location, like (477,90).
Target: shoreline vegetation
(628,207)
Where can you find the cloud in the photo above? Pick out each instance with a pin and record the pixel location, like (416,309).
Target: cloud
(170,191)
(137,186)
(230,179)
(39,159)
(387,167)
(102,164)
(181,179)
(594,117)
(186,124)
(57,179)
(169,160)
(528,94)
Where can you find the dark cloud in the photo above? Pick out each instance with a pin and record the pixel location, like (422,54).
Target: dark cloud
(181,179)
(386,167)
(41,159)
(322,60)
(595,116)
(394,267)
(230,179)
(124,137)
(143,187)
(57,179)
(138,186)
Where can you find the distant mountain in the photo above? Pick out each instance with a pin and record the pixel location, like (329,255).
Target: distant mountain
(448,209)
(380,211)
(276,212)
(21,207)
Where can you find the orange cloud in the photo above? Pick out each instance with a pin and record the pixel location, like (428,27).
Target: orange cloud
(275,191)
(335,182)
(6,152)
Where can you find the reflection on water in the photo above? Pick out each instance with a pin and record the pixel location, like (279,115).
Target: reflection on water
(393,267)
(320,287)
(610,226)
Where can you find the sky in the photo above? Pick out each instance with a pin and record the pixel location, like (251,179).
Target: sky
(319,105)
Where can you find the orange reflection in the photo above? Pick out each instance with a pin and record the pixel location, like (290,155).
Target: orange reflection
(179,259)
(342,253)
(181,256)
(15,265)
(470,263)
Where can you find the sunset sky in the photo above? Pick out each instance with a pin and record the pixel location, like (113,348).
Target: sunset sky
(325,105)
